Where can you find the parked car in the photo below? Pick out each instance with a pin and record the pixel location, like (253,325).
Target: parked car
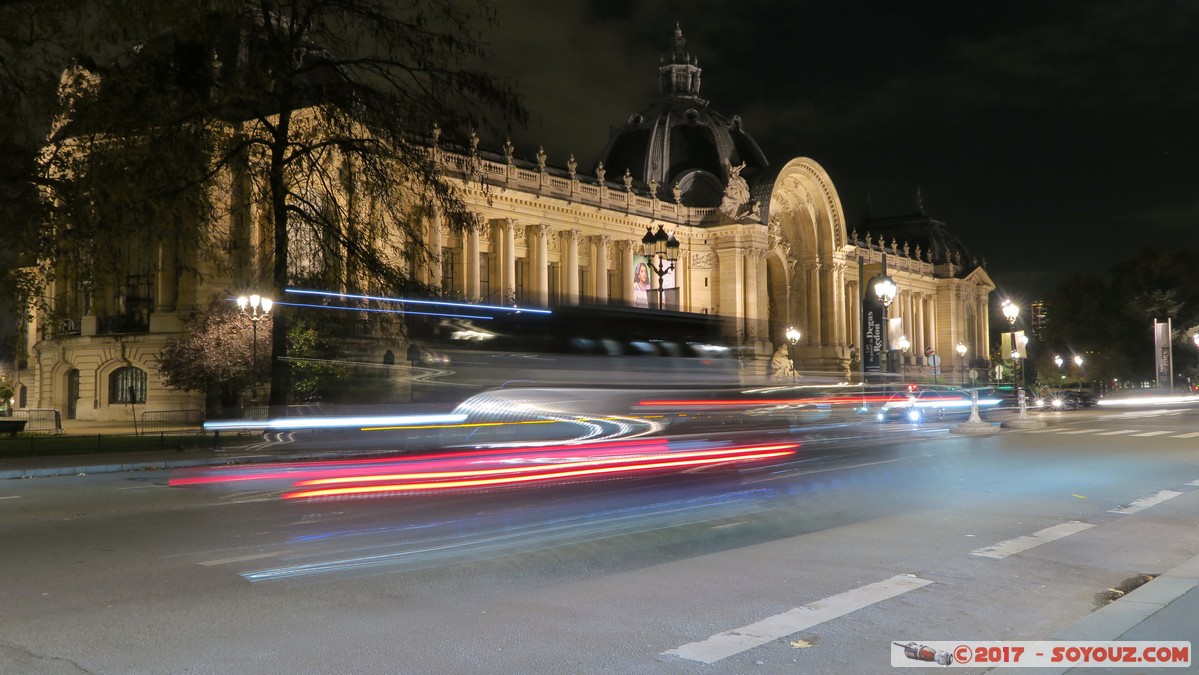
(926,405)
(1006,398)
(1069,399)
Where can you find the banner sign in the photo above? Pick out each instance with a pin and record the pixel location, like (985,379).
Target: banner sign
(1163,352)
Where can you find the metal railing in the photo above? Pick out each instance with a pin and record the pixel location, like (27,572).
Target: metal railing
(171,422)
(40,419)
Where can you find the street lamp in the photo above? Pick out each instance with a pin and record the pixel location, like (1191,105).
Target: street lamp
(884,290)
(1058,361)
(961,349)
(1011,310)
(793,336)
(904,344)
(662,250)
(256,307)
(1078,362)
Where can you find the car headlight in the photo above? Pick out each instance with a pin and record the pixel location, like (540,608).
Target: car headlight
(1057,403)
(914,415)
(1038,402)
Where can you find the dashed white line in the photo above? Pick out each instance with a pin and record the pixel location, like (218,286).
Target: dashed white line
(1192,434)
(1005,548)
(1080,431)
(1117,433)
(1151,433)
(723,645)
(1145,502)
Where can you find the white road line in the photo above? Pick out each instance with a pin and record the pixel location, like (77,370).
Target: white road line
(1193,434)
(1117,433)
(1005,548)
(1080,431)
(1194,482)
(1050,430)
(1145,502)
(723,645)
(1152,433)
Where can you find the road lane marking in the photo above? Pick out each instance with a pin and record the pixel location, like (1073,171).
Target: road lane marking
(1194,482)
(723,645)
(1041,431)
(1193,434)
(1152,433)
(1012,546)
(1080,431)
(1117,433)
(1145,502)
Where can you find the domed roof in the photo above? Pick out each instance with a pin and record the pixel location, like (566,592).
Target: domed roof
(679,140)
(938,245)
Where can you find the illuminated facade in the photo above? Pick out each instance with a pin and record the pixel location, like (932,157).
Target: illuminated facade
(763,247)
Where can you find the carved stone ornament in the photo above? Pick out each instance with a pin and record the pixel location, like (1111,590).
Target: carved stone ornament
(541,159)
(703,261)
(508,149)
(552,243)
(599,172)
(628,181)
(436,133)
(736,203)
(474,142)
(571,166)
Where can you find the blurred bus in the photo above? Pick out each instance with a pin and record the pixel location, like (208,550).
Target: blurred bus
(582,346)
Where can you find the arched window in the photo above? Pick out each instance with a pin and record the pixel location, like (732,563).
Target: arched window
(127,385)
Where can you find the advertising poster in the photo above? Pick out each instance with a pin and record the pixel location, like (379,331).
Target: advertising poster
(645,286)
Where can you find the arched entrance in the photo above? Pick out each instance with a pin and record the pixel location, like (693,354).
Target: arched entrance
(807,232)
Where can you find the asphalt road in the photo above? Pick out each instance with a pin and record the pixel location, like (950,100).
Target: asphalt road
(895,536)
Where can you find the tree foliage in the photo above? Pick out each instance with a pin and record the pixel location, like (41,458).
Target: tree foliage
(1108,320)
(216,355)
(312,115)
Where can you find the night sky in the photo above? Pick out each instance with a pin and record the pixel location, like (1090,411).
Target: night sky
(1053,138)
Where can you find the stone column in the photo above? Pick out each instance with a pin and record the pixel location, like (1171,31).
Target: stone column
(470,262)
(433,239)
(165,287)
(539,275)
(752,314)
(570,250)
(626,270)
(815,327)
(507,251)
(854,299)
(600,265)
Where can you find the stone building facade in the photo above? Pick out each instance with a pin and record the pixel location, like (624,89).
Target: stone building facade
(763,247)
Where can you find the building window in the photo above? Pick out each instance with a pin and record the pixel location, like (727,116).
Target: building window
(555,284)
(485,277)
(522,273)
(127,385)
(584,288)
(447,270)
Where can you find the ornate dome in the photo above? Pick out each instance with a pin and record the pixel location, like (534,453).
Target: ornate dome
(938,245)
(678,140)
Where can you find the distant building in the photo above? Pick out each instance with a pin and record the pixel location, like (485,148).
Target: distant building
(1039,318)
(763,246)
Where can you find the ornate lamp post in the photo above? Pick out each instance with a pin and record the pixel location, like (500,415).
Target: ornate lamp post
(662,250)
(256,307)
(793,336)
(1011,310)
(1078,362)
(961,349)
(904,344)
(1057,360)
(884,290)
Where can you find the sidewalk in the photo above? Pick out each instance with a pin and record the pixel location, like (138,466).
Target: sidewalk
(116,461)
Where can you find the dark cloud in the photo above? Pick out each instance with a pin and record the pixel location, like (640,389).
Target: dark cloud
(1052,137)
